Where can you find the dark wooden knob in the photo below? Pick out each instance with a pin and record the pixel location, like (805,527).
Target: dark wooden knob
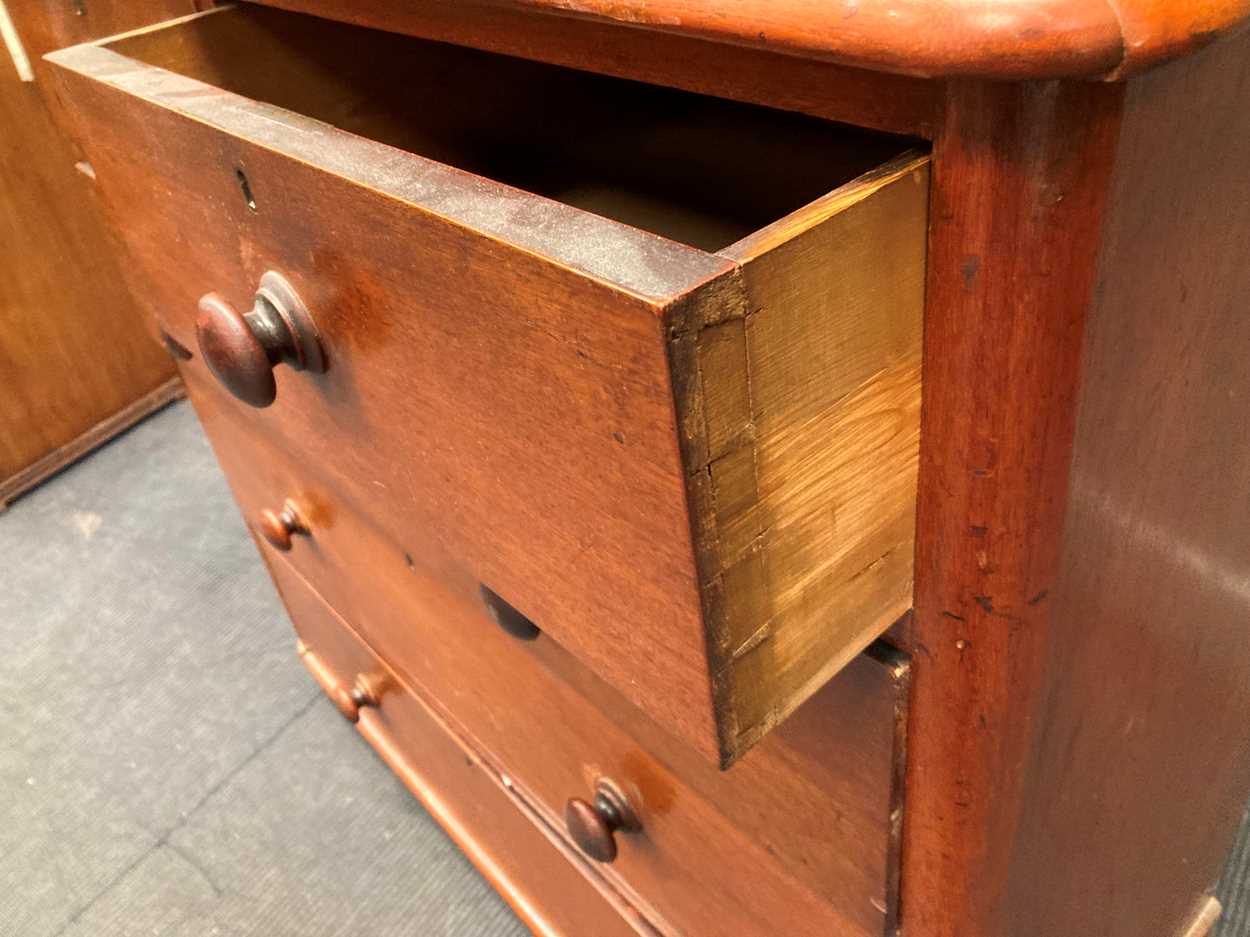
(367,690)
(342,698)
(347,706)
(277,527)
(592,826)
(243,348)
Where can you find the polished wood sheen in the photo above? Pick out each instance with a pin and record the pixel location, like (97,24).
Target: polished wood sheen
(278,527)
(880,101)
(243,348)
(76,364)
(935,38)
(46,26)
(615,462)
(1204,919)
(593,826)
(1077,763)
(809,814)
(522,857)
(1002,354)
(759,559)
(330,683)
(1144,689)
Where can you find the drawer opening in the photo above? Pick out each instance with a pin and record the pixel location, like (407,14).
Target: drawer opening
(699,170)
(685,445)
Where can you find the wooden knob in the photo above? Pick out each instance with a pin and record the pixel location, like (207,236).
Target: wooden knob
(172,345)
(367,690)
(343,699)
(242,349)
(277,527)
(592,826)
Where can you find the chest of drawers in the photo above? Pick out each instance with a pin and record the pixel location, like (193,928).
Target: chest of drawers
(777,453)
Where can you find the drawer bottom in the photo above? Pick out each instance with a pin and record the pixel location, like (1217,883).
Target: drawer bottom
(525,860)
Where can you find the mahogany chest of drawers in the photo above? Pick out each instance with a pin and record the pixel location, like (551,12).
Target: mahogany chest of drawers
(750,469)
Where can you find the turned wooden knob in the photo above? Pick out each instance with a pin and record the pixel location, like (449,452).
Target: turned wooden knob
(175,348)
(277,527)
(364,693)
(243,348)
(345,700)
(592,826)
(367,690)
(346,706)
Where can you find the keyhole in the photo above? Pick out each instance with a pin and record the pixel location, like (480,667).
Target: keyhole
(246,188)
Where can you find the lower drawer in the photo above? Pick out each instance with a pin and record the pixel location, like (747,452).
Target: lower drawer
(518,854)
(802,830)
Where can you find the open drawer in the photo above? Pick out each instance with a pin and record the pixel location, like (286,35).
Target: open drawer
(646,362)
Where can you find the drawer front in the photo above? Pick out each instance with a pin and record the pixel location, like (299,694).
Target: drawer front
(807,821)
(515,850)
(695,466)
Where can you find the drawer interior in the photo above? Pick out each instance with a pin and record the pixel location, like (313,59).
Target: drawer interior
(692,464)
(699,170)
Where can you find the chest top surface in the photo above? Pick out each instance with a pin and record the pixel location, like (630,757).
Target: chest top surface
(1016,39)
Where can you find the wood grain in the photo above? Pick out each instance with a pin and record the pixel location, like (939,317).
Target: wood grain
(1079,628)
(47,26)
(1015,39)
(802,418)
(893,103)
(1019,179)
(517,853)
(805,816)
(75,361)
(502,366)
(510,427)
(45,467)
(1145,692)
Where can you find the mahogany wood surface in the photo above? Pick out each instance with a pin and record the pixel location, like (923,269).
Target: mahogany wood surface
(1018,39)
(1075,749)
(46,27)
(48,465)
(517,853)
(76,364)
(554,375)
(524,449)
(1078,760)
(807,812)
(1141,761)
(881,101)
(1019,177)
(805,411)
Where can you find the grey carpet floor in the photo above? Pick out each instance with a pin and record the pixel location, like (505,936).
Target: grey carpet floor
(167,767)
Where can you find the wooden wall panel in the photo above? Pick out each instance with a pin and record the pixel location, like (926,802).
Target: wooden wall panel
(76,363)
